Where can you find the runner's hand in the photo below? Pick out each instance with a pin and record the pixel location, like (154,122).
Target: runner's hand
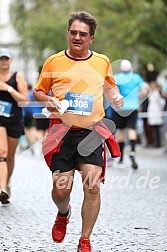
(118,101)
(4,86)
(53,104)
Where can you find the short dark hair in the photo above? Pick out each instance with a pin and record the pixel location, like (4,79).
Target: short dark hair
(84,17)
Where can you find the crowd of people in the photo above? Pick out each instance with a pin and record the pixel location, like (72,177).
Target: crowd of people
(76,138)
(145,102)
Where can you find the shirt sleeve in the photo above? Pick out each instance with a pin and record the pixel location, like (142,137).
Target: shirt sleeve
(45,79)
(109,79)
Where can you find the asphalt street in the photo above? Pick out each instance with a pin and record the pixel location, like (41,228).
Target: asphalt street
(133,215)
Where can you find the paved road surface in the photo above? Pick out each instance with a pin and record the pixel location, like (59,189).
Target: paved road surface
(133,214)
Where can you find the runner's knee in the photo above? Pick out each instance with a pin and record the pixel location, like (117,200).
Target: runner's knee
(60,193)
(3,152)
(92,189)
(3,159)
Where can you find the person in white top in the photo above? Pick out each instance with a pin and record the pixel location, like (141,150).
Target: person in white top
(155,107)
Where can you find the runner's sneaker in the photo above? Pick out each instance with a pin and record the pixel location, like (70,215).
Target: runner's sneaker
(60,227)
(84,245)
(119,164)
(4,198)
(8,190)
(132,158)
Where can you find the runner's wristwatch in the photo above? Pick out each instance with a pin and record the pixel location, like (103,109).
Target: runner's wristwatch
(10,89)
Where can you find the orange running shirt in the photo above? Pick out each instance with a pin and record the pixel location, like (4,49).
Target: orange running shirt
(82,82)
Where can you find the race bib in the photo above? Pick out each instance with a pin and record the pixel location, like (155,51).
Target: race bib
(5,108)
(80,104)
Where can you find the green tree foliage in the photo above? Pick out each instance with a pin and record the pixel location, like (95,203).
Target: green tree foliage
(126,28)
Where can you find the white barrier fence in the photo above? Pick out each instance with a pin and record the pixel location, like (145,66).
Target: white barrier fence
(152,114)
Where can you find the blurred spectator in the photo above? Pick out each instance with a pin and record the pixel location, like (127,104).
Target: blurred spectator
(155,107)
(164,94)
(29,121)
(35,127)
(42,124)
(147,128)
(150,72)
(130,85)
(13,89)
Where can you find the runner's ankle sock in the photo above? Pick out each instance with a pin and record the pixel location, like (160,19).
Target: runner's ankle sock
(133,145)
(65,214)
(121,146)
(4,190)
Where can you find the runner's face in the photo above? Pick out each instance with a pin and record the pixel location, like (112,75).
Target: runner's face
(79,38)
(4,62)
